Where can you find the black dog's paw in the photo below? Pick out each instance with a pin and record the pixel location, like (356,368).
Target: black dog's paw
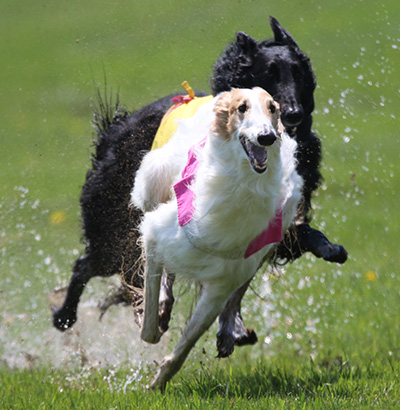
(226,341)
(317,243)
(62,320)
(243,336)
(333,253)
(225,344)
(249,337)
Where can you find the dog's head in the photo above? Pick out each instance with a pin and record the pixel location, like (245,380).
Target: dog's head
(277,65)
(252,119)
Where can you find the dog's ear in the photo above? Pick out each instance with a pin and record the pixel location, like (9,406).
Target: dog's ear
(280,127)
(245,42)
(221,111)
(281,35)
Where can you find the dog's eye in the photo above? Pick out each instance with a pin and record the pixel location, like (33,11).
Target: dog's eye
(242,108)
(273,71)
(272,107)
(297,73)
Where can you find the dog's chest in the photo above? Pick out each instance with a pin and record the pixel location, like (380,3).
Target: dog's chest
(220,215)
(232,230)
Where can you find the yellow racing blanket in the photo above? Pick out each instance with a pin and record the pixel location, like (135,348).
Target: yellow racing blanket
(185,106)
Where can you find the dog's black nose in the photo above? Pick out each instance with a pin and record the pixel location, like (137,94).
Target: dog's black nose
(266,139)
(292,118)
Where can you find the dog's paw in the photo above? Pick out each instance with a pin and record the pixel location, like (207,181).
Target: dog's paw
(158,386)
(333,253)
(170,365)
(248,337)
(62,320)
(243,335)
(152,336)
(225,344)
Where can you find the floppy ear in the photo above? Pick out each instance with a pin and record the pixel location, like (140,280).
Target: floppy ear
(278,124)
(280,34)
(245,42)
(277,116)
(221,111)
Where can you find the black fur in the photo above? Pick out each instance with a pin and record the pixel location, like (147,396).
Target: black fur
(281,68)
(109,224)
(278,66)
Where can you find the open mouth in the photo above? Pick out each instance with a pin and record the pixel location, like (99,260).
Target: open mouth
(257,155)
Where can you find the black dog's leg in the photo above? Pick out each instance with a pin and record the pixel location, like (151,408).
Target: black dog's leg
(166,301)
(298,239)
(302,238)
(121,296)
(316,242)
(65,316)
(232,330)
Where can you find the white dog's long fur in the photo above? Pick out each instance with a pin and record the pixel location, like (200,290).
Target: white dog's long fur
(233,204)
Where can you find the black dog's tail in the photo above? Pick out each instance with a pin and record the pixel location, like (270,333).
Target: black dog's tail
(107,113)
(109,224)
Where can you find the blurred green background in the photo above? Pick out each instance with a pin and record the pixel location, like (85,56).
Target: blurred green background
(54,54)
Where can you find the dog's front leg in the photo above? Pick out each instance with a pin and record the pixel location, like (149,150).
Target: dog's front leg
(302,238)
(316,242)
(150,331)
(209,306)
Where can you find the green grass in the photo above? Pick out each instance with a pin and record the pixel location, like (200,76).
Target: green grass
(334,385)
(328,334)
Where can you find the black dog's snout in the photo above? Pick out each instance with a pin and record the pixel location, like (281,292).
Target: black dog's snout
(266,139)
(293,117)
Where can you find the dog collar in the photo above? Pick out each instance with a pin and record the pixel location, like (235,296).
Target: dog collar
(185,199)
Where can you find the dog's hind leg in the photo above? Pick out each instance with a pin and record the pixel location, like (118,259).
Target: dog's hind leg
(232,330)
(65,316)
(209,306)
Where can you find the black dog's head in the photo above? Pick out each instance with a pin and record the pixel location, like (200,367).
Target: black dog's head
(277,65)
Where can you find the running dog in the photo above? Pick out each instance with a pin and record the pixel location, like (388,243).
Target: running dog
(235,175)
(110,226)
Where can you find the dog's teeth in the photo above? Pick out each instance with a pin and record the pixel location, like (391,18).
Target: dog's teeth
(258,156)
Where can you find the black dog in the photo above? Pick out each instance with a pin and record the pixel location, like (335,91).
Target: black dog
(281,68)
(110,226)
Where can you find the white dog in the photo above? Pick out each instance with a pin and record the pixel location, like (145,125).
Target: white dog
(216,198)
